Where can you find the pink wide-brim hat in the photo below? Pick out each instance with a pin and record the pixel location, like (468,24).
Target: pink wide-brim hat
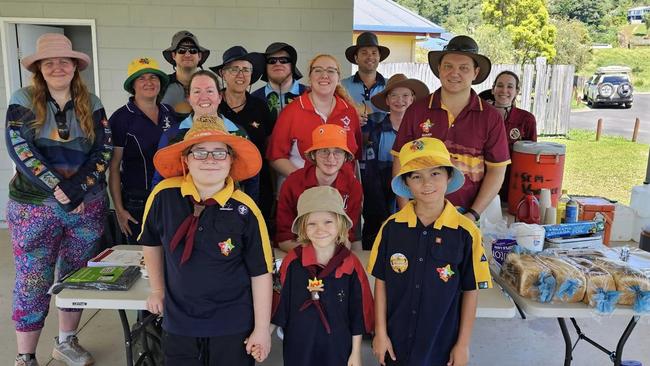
(54,45)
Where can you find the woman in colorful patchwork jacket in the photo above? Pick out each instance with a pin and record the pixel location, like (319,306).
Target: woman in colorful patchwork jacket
(59,138)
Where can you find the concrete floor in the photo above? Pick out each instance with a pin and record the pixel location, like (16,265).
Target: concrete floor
(504,342)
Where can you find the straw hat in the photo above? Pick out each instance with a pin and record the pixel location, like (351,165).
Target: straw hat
(246,163)
(419,88)
(462,45)
(425,152)
(319,199)
(144,65)
(328,136)
(54,45)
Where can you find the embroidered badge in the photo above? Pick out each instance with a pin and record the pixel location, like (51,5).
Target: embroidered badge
(417,145)
(515,134)
(341,295)
(483,285)
(346,121)
(243,210)
(90,181)
(255,124)
(438,240)
(226,207)
(15,137)
(483,258)
(166,123)
(23,152)
(314,287)
(426,127)
(144,61)
(399,263)
(445,272)
(49,179)
(35,165)
(226,247)
(100,167)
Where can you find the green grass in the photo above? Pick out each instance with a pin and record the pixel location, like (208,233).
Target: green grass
(608,168)
(636,58)
(636,30)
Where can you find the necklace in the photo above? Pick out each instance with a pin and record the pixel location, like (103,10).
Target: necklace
(236,107)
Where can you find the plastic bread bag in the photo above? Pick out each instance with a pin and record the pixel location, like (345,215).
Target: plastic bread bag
(633,284)
(529,276)
(498,240)
(570,281)
(600,291)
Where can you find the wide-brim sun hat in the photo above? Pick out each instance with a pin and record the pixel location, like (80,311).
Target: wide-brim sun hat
(320,199)
(246,163)
(177,39)
(144,65)
(462,45)
(419,88)
(366,39)
(293,56)
(329,136)
(51,45)
(424,153)
(237,53)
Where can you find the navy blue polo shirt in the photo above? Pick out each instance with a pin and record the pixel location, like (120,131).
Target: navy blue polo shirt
(138,136)
(426,270)
(210,294)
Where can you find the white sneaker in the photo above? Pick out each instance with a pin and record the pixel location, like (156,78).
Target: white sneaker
(71,352)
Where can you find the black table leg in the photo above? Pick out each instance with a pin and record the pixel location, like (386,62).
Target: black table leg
(621,342)
(127,337)
(568,349)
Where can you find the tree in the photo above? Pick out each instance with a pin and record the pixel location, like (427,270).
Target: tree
(494,43)
(646,21)
(527,22)
(573,44)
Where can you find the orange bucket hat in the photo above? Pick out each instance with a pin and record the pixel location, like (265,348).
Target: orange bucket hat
(328,136)
(247,160)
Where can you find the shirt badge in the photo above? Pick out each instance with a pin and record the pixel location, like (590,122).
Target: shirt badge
(166,123)
(426,127)
(483,258)
(226,247)
(515,134)
(399,263)
(445,272)
(346,121)
(255,124)
(417,145)
(314,286)
(439,240)
(243,210)
(483,285)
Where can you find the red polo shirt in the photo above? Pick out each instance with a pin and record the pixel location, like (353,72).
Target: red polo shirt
(305,178)
(475,138)
(298,120)
(520,126)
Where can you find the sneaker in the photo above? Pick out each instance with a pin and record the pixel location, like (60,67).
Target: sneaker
(71,353)
(25,361)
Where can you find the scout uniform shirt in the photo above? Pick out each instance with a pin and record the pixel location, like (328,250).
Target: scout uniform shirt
(210,294)
(426,270)
(475,138)
(346,304)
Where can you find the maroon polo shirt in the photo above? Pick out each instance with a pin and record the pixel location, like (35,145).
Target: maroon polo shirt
(475,138)
(520,126)
(305,178)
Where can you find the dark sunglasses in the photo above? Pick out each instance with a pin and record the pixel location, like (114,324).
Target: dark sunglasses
(461,48)
(62,125)
(274,60)
(183,50)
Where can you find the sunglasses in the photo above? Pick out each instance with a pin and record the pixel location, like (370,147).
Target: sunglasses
(184,50)
(274,60)
(203,154)
(461,48)
(62,125)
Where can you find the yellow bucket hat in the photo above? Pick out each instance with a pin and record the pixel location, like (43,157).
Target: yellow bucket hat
(144,65)
(425,152)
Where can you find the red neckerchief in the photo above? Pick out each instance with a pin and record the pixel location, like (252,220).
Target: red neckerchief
(187,228)
(315,271)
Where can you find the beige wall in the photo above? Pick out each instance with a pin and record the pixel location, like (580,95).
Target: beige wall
(131,28)
(402,48)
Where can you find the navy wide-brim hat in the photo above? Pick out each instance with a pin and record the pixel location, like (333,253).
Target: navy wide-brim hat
(237,53)
(293,55)
(462,45)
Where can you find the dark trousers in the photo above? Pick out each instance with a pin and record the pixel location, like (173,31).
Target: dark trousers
(134,202)
(227,350)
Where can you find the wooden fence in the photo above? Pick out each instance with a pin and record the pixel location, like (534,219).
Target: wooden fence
(552,83)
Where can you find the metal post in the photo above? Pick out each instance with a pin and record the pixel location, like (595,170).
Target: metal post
(647,171)
(599,128)
(635,134)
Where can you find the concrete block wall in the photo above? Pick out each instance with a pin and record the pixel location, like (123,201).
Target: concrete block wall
(133,28)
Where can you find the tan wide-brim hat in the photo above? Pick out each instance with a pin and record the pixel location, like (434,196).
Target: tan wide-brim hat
(51,45)
(247,161)
(320,199)
(419,88)
(462,45)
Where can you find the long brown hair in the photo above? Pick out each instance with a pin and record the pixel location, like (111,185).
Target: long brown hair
(81,99)
(340,90)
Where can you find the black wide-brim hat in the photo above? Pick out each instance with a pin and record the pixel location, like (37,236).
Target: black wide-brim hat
(293,55)
(366,39)
(462,45)
(179,37)
(237,53)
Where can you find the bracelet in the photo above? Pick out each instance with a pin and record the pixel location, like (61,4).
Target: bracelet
(473,212)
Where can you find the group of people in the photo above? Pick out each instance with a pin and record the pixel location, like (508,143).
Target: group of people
(209,177)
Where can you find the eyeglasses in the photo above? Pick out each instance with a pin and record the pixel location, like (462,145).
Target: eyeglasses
(216,154)
(62,125)
(319,71)
(234,70)
(325,153)
(183,50)
(274,60)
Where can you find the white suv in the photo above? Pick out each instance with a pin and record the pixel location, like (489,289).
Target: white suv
(609,85)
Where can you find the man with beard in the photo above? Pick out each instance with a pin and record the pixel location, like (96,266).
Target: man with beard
(185,55)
